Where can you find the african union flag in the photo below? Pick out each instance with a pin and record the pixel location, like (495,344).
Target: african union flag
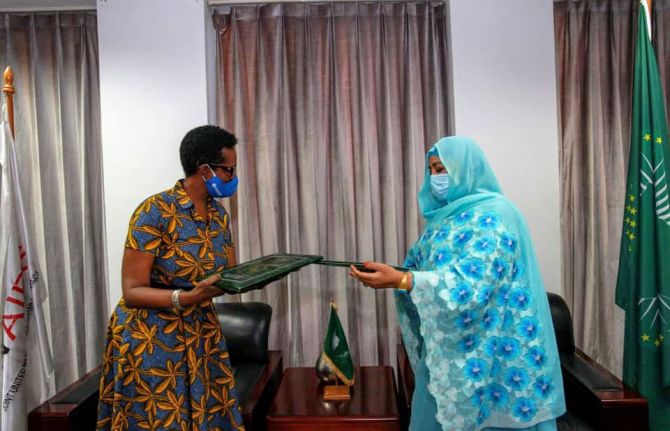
(643,285)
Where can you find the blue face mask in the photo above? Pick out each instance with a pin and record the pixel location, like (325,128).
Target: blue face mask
(217,188)
(439,186)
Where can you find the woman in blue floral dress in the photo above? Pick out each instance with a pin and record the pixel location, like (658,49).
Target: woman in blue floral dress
(473,311)
(165,364)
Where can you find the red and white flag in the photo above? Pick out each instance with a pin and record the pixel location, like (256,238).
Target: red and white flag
(27,374)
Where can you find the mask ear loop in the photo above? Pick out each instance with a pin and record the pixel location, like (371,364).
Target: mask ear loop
(210,170)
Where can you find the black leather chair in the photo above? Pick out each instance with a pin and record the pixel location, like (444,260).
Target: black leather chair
(257,370)
(595,398)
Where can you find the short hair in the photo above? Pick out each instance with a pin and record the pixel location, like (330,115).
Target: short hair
(203,145)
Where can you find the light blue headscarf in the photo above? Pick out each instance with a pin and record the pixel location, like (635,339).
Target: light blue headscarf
(471,177)
(477,318)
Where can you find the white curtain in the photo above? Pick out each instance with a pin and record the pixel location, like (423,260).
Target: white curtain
(335,105)
(57,116)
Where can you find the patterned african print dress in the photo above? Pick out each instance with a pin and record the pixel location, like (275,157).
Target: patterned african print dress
(164,368)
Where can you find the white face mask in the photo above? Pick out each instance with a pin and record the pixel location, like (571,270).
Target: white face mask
(439,186)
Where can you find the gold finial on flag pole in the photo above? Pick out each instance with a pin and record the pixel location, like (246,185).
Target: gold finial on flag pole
(646,4)
(8,89)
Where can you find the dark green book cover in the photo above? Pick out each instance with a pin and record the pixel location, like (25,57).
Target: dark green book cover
(256,273)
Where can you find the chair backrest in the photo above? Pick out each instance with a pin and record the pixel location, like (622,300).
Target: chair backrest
(245,326)
(560,314)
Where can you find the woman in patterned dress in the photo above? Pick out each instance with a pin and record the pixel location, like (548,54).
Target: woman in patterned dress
(165,364)
(473,311)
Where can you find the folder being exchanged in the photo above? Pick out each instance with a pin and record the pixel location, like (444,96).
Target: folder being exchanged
(256,273)
(359,265)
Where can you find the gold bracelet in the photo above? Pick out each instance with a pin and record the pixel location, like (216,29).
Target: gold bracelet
(403,283)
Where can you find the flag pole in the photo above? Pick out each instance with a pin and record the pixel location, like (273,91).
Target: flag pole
(8,89)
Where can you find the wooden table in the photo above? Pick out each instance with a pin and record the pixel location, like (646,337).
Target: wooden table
(373,406)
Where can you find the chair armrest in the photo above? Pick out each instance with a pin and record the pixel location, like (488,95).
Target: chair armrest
(257,404)
(600,398)
(74,407)
(405,383)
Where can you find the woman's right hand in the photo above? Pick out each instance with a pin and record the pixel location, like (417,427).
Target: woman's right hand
(382,276)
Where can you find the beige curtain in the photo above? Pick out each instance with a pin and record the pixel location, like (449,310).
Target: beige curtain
(57,106)
(595,56)
(335,105)
(660,24)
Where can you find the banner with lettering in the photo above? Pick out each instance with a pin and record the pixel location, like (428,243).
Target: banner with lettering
(27,369)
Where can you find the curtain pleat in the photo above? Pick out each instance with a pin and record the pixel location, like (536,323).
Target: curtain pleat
(57,115)
(595,53)
(334,105)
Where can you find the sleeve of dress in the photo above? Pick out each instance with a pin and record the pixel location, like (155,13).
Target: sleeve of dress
(469,270)
(408,316)
(145,228)
(476,319)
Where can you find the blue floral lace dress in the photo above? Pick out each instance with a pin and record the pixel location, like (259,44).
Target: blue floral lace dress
(477,325)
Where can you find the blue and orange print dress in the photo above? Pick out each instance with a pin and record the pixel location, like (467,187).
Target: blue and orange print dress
(164,368)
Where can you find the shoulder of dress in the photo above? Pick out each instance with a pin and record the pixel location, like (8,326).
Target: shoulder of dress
(219,207)
(154,205)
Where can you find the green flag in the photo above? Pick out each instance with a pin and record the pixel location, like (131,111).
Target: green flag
(643,284)
(335,360)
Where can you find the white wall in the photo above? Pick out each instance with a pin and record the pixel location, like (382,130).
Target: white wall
(153,90)
(505,98)
(153,75)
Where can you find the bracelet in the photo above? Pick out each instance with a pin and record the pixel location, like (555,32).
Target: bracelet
(175,299)
(404,285)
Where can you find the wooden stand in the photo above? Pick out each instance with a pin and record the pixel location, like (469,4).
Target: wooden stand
(336,392)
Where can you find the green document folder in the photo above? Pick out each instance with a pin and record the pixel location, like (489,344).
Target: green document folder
(259,272)
(358,265)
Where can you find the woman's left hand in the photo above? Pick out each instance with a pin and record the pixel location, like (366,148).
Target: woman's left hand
(383,277)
